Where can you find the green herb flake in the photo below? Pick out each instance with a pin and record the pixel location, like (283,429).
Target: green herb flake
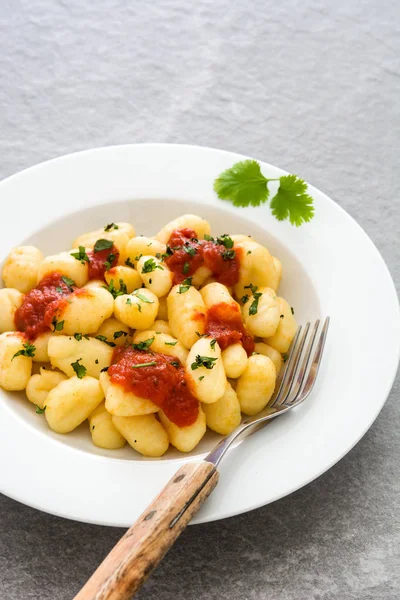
(102,244)
(118,334)
(28,350)
(111,226)
(228,254)
(142,297)
(171,343)
(58,325)
(186,267)
(80,370)
(78,336)
(186,284)
(143,346)
(208,238)
(96,362)
(225,240)
(189,249)
(39,411)
(201,378)
(292,309)
(110,259)
(129,263)
(68,282)
(203,361)
(175,363)
(81,255)
(256,295)
(150,265)
(244,299)
(212,343)
(102,338)
(148,364)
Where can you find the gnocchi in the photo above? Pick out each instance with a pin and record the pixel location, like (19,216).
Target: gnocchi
(150,340)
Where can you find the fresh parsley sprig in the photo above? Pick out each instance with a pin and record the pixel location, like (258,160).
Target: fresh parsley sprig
(245,185)
(28,350)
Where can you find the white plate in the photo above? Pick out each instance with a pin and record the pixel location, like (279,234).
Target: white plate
(331,268)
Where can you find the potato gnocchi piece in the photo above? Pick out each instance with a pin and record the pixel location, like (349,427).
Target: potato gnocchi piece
(155,275)
(140,246)
(162,344)
(274,355)
(215,293)
(138,310)
(41,384)
(256,267)
(187,314)
(224,415)
(125,276)
(265,321)
(21,268)
(103,431)
(10,301)
(120,237)
(66,265)
(93,354)
(71,402)
(162,314)
(201,276)
(199,225)
(186,438)
(286,330)
(15,371)
(161,326)
(144,433)
(256,385)
(278,271)
(205,370)
(234,359)
(122,403)
(41,344)
(85,311)
(114,331)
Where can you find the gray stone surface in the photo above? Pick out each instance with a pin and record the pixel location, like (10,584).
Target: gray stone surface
(310,86)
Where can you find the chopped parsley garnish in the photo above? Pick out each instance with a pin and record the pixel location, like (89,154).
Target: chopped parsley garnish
(256,295)
(175,363)
(200,335)
(150,265)
(118,334)
(244,299)
(103,245)
(186,267)
(186,283)
(201,378)
(171,343)
(248,252)
(96,362)
(142,297)
(292,309)
(78,336)
(129,263)
(285,356)
(148,364)
(103,338)
(68,282)
(104,370)
(212,343)
(80,370)
(245,185)
(28,350)
(144,346)
(39,411)
(228,254)
(110,259)
(81,255)
(203,361)
(189,249)
(111,226)
(138,257)
(225,240)
(58,325)
(208,238)
(112,289)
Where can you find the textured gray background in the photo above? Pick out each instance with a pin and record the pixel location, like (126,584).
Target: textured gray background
(305,85)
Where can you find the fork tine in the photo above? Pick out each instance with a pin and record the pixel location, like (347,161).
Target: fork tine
(315,364)
(304,366)
(285,392)
(286,370)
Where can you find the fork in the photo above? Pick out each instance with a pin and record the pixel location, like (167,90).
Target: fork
(143,546)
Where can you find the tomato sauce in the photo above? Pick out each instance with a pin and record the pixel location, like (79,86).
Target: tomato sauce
(187,254)
(99,262)
(39,306)
(224,323)
(161,382)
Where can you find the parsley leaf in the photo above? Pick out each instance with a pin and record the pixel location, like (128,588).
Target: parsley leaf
(112,289)
(78,336)
(256,295)
(203,361)
(150,265)
(144,346)
(228,254)
(68,282)
(292,201)
(245,185)
(244,299)
(80,370)
(212,343)
(29,350)
(111,226)
(171,343)
(148,364)
(110,259)
(103,338)
(39,411)
(81,255)
(186,267)
(118,334)
(208,238)
(103,245)
(175,363)
(225,240)
(189,250)
(186,283)
(142,297)
(129,263)
(58,325)
(201,378)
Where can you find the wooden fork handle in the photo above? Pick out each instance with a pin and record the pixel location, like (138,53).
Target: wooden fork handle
(143,546)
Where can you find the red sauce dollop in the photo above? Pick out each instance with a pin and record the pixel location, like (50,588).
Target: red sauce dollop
(224,323)
(163,383)
(39,306)
(189,254)
(98,260)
